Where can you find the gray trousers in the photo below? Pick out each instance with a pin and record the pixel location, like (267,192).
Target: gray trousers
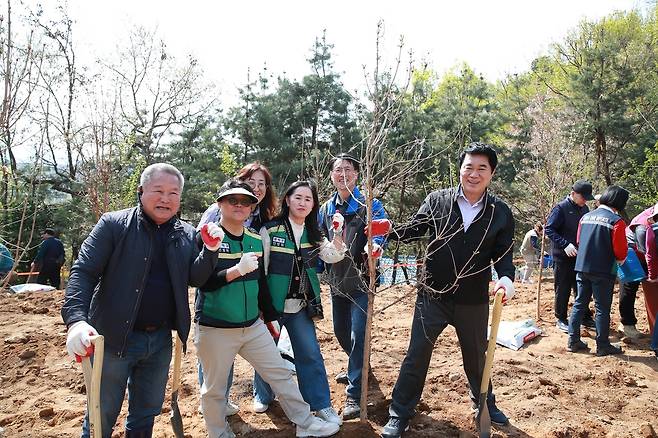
(217,347)
(431,317)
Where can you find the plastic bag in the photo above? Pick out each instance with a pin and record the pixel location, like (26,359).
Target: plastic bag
(631,270)
(31,287)
(514,334)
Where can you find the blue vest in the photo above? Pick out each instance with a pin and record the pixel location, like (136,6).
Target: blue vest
(595,253)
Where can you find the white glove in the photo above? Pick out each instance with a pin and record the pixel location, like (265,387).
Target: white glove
(212,235)
(571,250)
(330,253)
(78,338)
(337,222)
(505,283)
(248,263)
(377,250)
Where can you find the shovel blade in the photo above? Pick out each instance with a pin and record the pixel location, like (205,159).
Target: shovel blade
(175,416)
(483,419)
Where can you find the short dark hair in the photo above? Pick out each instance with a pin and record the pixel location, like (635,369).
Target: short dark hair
(348,157)
(477,148)
(615,197)
(48,231)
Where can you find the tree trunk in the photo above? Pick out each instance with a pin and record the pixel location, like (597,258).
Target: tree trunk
(371,298)
(541,270)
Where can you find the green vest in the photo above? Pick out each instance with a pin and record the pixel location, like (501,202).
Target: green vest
(282,258)
(236,303)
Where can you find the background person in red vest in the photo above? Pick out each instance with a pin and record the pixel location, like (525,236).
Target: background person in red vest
(601,245)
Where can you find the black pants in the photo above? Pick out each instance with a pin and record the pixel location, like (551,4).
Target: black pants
(431,317)
(627,293)
(564,278)
(49,273)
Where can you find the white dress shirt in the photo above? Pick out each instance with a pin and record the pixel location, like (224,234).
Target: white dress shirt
(469,211)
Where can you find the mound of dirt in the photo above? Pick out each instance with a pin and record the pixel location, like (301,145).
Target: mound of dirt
(546,391)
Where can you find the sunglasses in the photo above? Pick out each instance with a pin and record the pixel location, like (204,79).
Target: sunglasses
(245,202)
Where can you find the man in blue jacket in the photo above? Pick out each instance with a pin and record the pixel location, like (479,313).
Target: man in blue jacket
(348,278)
(130,284)
(561,228)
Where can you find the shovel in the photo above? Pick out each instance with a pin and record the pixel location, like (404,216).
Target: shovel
(175,416)
(483,419)
(93,383)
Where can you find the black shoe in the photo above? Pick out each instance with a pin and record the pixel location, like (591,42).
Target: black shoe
(342,378)
(497,416)
(608,349)
(395,427)
(589,323)
(351,409)
(577,346)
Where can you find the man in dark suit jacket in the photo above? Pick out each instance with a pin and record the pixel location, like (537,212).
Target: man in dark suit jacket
(469,229)
(561,228)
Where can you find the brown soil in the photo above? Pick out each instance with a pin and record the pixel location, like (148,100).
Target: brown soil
(546,391)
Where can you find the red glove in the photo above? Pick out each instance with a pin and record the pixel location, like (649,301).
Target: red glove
(90,352)
(337,222)
(377,250)
(379,227)
(212,235)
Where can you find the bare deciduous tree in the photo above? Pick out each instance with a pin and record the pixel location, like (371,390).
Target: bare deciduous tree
(155,91)
(556,154)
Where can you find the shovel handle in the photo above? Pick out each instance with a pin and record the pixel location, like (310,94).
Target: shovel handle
(273,331)
(491,347)
(93,375)
(178,353)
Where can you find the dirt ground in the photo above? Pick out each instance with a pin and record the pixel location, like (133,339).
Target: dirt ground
(546,391)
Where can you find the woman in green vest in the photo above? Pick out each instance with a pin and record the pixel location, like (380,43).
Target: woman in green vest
(292,243)
(229,312)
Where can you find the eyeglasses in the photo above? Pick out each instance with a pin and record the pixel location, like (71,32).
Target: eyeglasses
(343,170)
(256,185)
(245,202)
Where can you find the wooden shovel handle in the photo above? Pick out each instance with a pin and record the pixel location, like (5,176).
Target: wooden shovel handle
(93,383)
(491,347)
(178,353)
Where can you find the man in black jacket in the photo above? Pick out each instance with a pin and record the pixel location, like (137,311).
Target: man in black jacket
(561,228)
(130,284)
(469,230)
(49,259)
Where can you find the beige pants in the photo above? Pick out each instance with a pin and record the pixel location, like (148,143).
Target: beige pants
(531,263)
(217,347)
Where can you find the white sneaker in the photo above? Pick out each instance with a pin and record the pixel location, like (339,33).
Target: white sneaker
(259,407)
(329,415)
(231,408)
(318,428)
